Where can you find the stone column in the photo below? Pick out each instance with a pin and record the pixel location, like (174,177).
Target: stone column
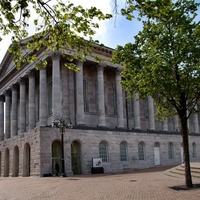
(1,118)
(31,103)
(56,87)
(79,95)
(22,106)
(14,112)
(165,125)
(65,92)
(8,106)
(43,97)
(196,122)
(101,100)
(136,104)
(176,123)
(151,114)
(120,111)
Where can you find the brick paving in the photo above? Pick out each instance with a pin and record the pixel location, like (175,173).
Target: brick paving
(143,184)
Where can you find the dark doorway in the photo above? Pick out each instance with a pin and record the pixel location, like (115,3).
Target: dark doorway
(56,158)
(6,163)
(75,157)
(27,160)
(16,161)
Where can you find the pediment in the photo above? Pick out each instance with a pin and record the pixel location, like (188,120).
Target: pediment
(7,65)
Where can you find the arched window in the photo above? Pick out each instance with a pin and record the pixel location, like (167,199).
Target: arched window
(194,153)
(157,144)
(123,151)
(141,151)
(170,150)
(103,152)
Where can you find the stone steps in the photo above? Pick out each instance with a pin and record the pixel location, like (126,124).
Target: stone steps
(179,171)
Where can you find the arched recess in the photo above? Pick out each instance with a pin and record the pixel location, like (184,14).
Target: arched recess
(157,153)
(76,157)
(16,161)
(56,157)
(27,160)
(6,163)
(0,163)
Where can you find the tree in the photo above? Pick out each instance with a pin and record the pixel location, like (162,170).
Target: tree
(164,61)
(58,25)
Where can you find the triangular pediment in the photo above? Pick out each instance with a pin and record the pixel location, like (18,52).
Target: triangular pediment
(7,65)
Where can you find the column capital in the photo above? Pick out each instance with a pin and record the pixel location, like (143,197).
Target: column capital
(13,87)
(21,80)
(2,98)
(55,55)
(79,63)
(42,68)
(30,73)
(7,92)
(119,70)
(101,66)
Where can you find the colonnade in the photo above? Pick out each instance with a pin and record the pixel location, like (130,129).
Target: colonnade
(13,119)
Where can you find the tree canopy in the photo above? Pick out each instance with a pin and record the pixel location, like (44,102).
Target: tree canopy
(58,25)
(164,60)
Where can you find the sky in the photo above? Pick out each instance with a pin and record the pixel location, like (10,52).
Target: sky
(113,32)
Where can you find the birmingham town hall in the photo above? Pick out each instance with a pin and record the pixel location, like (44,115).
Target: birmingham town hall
(54,120)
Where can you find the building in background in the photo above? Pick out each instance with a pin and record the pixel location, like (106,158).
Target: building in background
(122,133)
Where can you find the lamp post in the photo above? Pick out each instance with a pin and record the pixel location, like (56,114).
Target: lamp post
(62,124)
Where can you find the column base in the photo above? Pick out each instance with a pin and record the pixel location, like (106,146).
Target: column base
(69,173)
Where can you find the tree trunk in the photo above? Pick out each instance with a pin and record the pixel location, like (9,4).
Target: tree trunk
(184,131)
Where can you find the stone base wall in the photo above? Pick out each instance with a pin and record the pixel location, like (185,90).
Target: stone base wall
(15,146)
(40,142)
(89,146)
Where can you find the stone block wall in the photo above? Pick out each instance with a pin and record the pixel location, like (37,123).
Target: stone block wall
(17,162)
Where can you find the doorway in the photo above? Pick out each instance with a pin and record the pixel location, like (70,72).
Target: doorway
(27,160)
(75,157)
(16,161)
(6,163)
(182,158)
(157,153)
(56,158)
(0,163)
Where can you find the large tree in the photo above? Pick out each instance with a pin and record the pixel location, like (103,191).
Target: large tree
(58,25)
(164,62)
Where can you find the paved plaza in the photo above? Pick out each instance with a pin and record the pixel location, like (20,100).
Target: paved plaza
(144,184)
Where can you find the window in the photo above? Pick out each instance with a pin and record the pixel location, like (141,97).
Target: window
(141,151)
(193,150)
(123,151)
(157,144)
(170,150)
(103,151)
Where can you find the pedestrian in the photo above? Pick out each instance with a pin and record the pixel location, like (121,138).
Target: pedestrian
(57,168)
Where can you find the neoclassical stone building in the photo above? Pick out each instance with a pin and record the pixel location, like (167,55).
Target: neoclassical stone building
(122,132)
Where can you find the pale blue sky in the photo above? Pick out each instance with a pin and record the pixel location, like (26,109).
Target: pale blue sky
(111,33)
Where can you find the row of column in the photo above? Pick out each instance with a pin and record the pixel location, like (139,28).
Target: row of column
(120,118)
(101,98)
(10,97)
(11,126)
